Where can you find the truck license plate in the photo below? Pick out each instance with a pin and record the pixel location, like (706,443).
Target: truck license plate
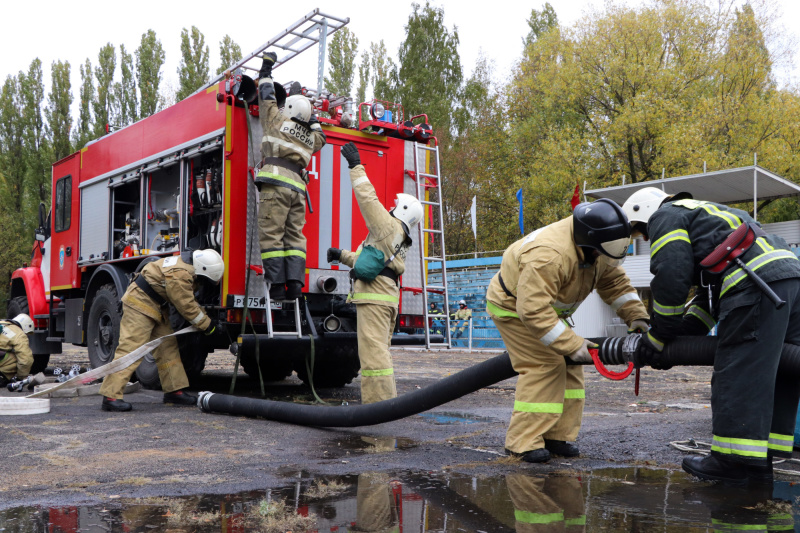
(254,303)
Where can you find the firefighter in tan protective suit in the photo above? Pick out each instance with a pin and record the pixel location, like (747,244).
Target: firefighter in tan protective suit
(543,279)
(291,135)
(16,358)
(378,297)
(376,510)
(145,317)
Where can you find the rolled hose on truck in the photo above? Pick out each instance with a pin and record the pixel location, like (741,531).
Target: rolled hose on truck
(683,351)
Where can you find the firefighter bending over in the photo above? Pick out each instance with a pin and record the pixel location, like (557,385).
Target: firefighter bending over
(16,358)
(291,135)
(377,264)
(145,317)
(543,278)
(753,406)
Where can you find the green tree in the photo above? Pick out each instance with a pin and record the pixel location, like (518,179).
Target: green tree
(125,91)
(85,129)
(363,78)
(342,52)
(193,68)
(383,72)
(429,77)
(103,105)
(540,22)
(36,144)
(229,54)
(57,113)
(149,60)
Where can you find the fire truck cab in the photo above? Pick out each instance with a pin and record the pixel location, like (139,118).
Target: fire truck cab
(182,180)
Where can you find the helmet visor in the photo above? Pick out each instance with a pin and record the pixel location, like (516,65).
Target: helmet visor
(616,249)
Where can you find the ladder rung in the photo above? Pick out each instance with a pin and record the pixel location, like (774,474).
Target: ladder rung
(285,334)
(424,175)
(431,230)
(435,287)
(426,147)
(426,258)
(428,203)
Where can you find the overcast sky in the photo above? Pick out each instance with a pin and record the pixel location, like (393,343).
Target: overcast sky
(73,31)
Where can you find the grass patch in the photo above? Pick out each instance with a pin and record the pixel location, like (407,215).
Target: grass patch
(55,422)
(321,489)
(277,517)
(135,481)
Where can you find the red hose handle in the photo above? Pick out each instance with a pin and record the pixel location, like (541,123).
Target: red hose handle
(616,376)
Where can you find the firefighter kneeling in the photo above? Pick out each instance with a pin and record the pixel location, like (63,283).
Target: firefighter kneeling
(16,358)
(146,317)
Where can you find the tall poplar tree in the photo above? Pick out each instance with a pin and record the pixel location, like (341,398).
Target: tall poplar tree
(383,72)
(103,104)
(125,91)
(37,156)
(149,60)
(229,54)
(57,113)
(342,52)
(363,78)
(85,128)
(193,68)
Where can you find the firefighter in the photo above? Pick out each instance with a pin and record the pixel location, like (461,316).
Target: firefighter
(376,509)
(16,358)
(436,324)
(377,296)
(292,133)
(145,317)
(465,315)
(542,504)
(753,406)
(543,278)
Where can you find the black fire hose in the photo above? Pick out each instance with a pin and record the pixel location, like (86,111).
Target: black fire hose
(683,351)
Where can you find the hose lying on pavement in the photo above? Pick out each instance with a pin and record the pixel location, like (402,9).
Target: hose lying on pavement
(683,351)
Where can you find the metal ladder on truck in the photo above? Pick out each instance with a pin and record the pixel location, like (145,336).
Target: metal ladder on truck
(431,234)
(298,324)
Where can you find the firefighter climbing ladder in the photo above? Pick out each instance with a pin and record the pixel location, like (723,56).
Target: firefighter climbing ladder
(431,233)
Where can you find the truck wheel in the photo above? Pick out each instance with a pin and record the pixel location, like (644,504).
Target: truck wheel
(334,366)
(271,369)
(19,305)
(102,330)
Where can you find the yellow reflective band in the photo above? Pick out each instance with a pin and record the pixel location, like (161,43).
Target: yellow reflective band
(496,311)
(743,447)
(764,245)
(277,177)
(657,343)
(283,253)
(732,220)
(578,521)
(702,316)
(667,310)
(677,235)
(527,517)
(574,394)
(377,297)
(525,407)
(376,373)
(783,443)
(738,275)
(737,527)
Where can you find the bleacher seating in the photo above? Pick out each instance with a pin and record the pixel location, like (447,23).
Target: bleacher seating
(467,280)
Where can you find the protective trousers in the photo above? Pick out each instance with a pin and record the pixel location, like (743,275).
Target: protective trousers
(281,217)
(375,325)
(754,407)
(136,329)
(542,505)
(549,398)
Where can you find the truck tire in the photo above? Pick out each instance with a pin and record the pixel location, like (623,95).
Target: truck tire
(271,369)
(334,366)
(102,328)
(19,305)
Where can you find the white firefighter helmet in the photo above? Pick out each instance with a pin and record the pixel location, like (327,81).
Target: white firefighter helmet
(408,210)
(24,322)
(297,106)
(462,302)
(208,263)
(641,205)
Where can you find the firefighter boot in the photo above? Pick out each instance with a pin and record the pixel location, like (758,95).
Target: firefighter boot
(277,292)
(294,290)
(112,404)
(562,448)
(716,467)
(540,455)
(180,397)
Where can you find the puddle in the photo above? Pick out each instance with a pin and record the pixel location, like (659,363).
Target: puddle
(454,418)
(348,444)
(614,499)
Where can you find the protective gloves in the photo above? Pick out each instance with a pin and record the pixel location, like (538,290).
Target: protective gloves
(582,355)
(211,327)
(638,326)
(350,152)
(267,60)
(334,255)
(650,352)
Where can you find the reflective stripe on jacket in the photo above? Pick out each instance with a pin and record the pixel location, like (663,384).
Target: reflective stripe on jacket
(548,277)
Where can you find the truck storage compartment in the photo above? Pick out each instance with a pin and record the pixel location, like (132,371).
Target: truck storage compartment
(205,183)
(162,212)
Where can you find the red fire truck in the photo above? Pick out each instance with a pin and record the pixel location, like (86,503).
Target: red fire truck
(182,179)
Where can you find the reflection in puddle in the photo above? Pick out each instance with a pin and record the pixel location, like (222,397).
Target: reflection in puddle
(367,444)
(454,418)
(614,499)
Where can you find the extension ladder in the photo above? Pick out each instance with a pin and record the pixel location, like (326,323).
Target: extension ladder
(298,325)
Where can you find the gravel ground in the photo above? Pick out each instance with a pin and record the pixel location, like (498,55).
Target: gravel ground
(80,454)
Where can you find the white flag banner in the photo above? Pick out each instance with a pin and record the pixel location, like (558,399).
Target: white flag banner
(474,214)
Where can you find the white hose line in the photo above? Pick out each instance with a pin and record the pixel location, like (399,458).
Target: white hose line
(693,446)
(35,404)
